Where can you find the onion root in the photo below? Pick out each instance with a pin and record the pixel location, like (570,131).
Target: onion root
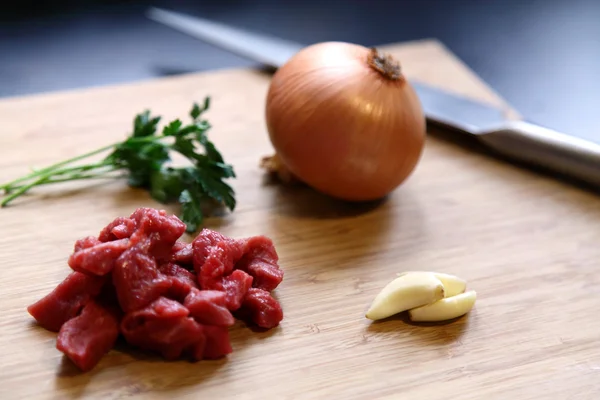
(275,168)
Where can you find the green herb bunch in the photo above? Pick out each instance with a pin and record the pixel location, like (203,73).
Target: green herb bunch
(144,159)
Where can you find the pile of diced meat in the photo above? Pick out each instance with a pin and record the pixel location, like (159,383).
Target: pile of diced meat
(136,279)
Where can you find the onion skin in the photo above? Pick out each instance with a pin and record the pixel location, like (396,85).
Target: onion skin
(341,126)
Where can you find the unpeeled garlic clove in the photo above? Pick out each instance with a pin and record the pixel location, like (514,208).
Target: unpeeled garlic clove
(404,293)
(444,309)
(453,285)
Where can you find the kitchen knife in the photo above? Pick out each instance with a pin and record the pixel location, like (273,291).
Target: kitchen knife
(520,140)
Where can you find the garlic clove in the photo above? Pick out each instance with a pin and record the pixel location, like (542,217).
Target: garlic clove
(405,292)
(453,285)
(444,309)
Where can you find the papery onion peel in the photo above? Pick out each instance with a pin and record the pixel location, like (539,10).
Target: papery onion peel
(343,119)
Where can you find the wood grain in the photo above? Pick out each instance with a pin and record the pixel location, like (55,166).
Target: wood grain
(527,244)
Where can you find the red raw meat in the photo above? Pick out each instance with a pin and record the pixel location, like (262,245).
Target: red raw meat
(208,307)
(182,280)
(218,264)
(164,327)
(236,286)
(85,243)
(120,228)
(197,349)
(99,259)
(217,343)
(261,261)
(214,257)
(207,239)
(182,254)
(66,300)
(158,230)
(86,338)
(261,308)
(137,280)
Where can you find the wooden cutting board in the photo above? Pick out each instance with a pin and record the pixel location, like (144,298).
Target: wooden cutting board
(527,244)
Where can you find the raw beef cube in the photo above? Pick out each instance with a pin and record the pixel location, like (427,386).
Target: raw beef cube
(214,256)
(261,308)
(261,261)
(164,327)
(197,349)
(182,280)
(137,280)
(207,239)
(66,300)
(161,229)
(218,264)
(208,307)
(160,308)
(85,243)
(120,228)
(99,259)
(236,286)
(182,254)
(217,342)
(89,336)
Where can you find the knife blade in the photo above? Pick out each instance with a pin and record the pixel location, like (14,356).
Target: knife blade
(555,152)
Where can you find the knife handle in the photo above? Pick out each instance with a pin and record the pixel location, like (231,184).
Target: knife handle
(539,146)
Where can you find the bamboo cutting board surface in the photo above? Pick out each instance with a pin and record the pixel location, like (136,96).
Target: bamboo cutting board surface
(527,244)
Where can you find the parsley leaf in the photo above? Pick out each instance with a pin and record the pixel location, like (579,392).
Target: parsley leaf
(173,128)
(143,125)
(190,209)
(197,111)
(166,185)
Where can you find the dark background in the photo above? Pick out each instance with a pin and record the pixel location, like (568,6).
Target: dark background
(543,56)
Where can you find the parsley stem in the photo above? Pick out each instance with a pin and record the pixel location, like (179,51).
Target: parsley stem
(47,178)
(43,171)
(19,192)
(11,185)
(102,175)
(82,168)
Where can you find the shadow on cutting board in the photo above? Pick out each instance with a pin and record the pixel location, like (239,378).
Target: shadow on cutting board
(139,372)
(349,232)
(301,201)
(422,333)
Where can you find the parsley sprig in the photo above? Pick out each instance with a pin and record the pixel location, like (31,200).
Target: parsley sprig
(144,158)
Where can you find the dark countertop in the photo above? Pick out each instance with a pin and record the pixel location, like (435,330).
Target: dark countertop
(543,56)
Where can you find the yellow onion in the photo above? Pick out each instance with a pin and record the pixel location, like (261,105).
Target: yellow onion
(343,119)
